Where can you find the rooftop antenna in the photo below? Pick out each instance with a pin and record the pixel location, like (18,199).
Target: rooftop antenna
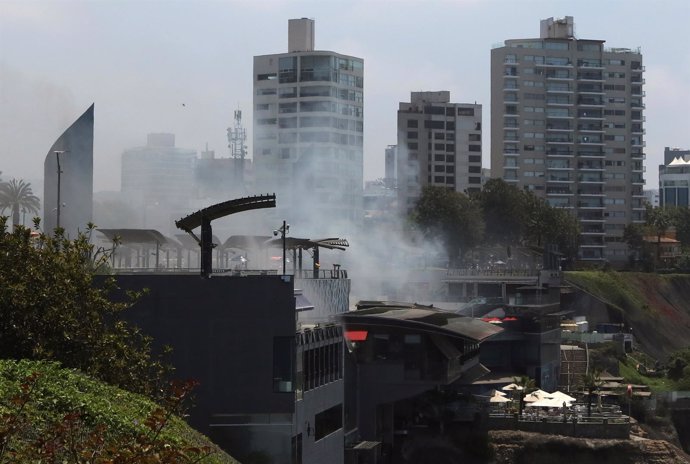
(237,136)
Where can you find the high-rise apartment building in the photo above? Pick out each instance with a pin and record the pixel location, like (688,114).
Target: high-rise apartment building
(567,123)
(439,143)
(308,132)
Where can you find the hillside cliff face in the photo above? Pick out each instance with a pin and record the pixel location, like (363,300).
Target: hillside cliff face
(657,307)
(512,447)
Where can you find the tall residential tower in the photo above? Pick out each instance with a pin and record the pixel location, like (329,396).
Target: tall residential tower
(308,131)
(567,123)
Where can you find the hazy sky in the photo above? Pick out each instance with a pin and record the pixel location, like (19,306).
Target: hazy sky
(140,61)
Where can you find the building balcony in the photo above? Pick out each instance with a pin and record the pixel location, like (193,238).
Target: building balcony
(560,153)
(591,204)
(591,193)
(591,217)
(554,64)
(592,230)
(558,167)
(589,179)
(555,178)
(559,191)
(590,153)
(639,94)
(590,128)
(590,166)
(511,153)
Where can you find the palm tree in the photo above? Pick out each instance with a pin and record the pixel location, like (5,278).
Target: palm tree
(527,385)
(591,381)
(17,195)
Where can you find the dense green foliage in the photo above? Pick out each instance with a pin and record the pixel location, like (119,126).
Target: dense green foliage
(451,217)
(500,214)
(50,414)
(50,309)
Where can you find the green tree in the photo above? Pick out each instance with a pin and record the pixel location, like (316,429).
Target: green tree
(658,220)
(504,209)
(450,216)
(50,309)
(527,385)
(16,195)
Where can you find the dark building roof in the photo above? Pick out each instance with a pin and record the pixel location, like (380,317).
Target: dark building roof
(422,318)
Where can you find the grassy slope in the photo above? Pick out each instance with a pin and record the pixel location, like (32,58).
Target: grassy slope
(657,307)
(60,391)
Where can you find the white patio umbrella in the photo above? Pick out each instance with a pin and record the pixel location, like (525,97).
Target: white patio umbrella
(512,387)
(532,397)
(495,392)
(546,403)
(562,396)
(499,399)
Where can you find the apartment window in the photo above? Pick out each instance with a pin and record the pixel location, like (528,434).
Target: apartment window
(475,180)
(614,201)
(412,145)
(588,47)
(439,180)
(287,92)
(266,77)
(465,111)
(434,125)
(262,106)
(617,100)
(614,112)
(450,125)
(534,96)
(287,123)
(412,123)
(616,138)
(475,158)
(328,421)
(475,137)
(439,158)
(475,169)
(439,136)
(412,134)
(315,91)
(440,146)
(283,364)
(549,45)
(287,107)
(434,110)
(271,91)
(266,122)
(450,147)
(616,75)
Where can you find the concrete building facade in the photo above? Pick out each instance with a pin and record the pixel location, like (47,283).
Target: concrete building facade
(567,123)
(440,144)
(308,131)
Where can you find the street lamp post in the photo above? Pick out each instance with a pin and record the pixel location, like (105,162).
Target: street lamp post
(59,172)
(283,232)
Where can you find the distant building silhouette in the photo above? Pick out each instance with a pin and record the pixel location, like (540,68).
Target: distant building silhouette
(159,180)
(75,151)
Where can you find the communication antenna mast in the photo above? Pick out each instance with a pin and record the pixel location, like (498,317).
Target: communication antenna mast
(237,135)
